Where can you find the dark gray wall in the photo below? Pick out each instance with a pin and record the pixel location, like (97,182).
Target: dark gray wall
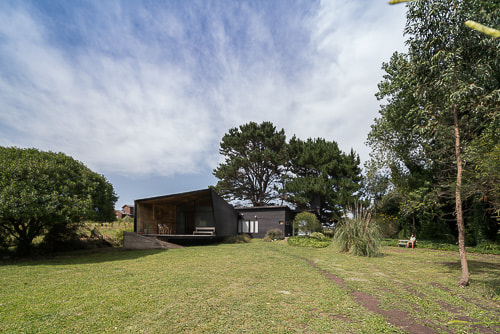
(226,218)
(269,218)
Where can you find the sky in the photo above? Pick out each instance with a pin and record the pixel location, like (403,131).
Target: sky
(143,91)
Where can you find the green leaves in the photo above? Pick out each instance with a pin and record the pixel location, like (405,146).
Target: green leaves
(42,189)
(261,167)
(413,139)
(254,158)
(321,177)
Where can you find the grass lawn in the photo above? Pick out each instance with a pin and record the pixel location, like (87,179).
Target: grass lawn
(257,287)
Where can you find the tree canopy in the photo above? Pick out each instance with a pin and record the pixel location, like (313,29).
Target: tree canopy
(254,158)
(262,168)
(321,177)
(40,190)
(442,101)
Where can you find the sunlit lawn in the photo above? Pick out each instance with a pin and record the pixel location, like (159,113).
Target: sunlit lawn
(257,287)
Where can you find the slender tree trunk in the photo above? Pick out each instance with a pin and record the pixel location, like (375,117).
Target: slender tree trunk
(464,280)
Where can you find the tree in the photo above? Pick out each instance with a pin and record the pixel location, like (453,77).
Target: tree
(307,222)
(448,87)
(454,78)
(321,177)
(254,157)
(42,190)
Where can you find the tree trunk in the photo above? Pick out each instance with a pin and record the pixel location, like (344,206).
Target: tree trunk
(464,280)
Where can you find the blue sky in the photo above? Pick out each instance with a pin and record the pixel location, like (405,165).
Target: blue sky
(143,91)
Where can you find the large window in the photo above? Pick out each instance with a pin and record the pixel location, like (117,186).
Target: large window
(248,226)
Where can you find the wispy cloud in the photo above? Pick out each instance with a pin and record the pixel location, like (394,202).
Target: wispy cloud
(138,89)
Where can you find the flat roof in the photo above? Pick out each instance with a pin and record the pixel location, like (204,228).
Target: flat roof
(185,197)
(264,207)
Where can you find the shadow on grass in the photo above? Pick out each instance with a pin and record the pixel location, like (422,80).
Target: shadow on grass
(486,273)
(474,266)
(89,256)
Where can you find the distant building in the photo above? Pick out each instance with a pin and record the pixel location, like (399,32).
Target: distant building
(126,211)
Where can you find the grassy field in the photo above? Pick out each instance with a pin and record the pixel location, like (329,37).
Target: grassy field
(256,287)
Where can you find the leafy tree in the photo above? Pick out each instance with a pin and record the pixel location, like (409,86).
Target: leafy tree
(442,94)
(307,222)
(254,157)
(40,191)
(321,177)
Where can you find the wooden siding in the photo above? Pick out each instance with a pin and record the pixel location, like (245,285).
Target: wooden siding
(182,213)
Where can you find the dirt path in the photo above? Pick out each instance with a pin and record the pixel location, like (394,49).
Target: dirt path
(397,318)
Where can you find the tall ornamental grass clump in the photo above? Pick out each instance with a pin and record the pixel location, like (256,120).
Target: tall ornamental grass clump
(357,233)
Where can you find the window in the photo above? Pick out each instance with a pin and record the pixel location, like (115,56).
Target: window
(248,226)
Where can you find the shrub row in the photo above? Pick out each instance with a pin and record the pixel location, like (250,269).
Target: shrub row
(317,241)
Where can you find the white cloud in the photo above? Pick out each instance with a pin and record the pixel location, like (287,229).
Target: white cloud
(159,101)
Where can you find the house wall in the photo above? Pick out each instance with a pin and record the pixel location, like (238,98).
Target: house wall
(226,217)
(128,210)
(269,218)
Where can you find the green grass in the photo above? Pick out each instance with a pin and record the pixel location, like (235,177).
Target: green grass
(255,287)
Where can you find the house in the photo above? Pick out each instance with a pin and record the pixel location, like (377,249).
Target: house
(195,215)
(126,211)
(256,221)
(202,215)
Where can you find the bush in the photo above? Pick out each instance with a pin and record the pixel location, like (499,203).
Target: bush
(306,241)
(275,234)
(487,247)
(318,235)
(63,237)
(238,239)
(307,222)
(358,235)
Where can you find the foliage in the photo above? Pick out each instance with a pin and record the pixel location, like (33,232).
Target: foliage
(238,239)
(261,167)
(274,234)
(321,177)
(483,180)
(307,222)
(318,235)
(388,224)
(308,241)
(44,193)
(63,237)
(448,70)
(111,234)
(254,155)
(357,233)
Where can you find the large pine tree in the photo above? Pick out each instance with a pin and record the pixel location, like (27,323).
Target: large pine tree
(321,177)
(254,158)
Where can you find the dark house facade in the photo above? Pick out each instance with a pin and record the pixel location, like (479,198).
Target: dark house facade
(204,215)
(200,214)
(256,221)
